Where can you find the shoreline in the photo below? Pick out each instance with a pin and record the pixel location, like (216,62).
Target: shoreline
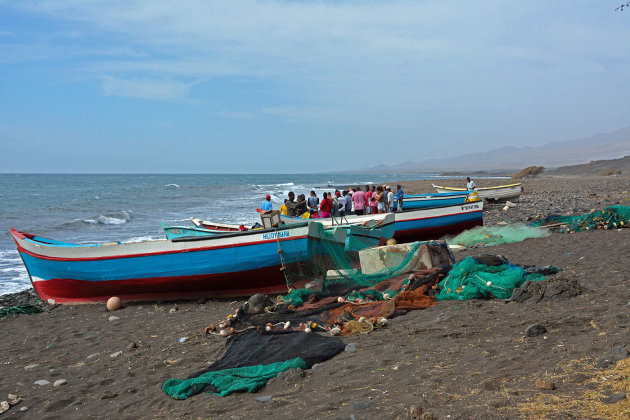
(463,359)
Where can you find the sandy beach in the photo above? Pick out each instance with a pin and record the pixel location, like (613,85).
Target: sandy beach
(455,360)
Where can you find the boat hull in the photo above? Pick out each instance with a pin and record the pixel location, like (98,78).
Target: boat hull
(500,193)
(421,224)
(217,266)
(417,225)
(426,201)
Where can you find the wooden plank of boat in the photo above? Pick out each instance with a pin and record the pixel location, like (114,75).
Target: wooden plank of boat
(501,192)
(229,264)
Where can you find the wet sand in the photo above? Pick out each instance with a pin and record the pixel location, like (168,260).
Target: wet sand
(457,359)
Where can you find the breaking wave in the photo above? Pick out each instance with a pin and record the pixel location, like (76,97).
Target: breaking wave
(118,218)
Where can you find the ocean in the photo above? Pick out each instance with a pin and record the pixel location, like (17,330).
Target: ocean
(83,209)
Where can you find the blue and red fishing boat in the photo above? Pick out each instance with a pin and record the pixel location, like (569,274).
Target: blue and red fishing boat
(228,264)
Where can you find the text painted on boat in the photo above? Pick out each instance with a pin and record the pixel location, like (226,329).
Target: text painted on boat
(470,207)
(276,235)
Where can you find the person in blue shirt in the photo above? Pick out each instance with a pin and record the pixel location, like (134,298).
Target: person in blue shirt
(400,194)
(266,204)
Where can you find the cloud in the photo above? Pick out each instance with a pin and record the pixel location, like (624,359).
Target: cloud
(158,90)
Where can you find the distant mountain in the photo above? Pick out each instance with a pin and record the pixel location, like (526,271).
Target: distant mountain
(510,158)
(595,167)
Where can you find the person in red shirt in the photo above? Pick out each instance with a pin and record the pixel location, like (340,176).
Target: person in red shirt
(368,195)
(325,207)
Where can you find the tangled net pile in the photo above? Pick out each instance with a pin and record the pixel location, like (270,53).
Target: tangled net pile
(612,217)
(484,277)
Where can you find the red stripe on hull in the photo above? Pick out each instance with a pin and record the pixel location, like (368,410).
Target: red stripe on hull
(435,232)
(244,283)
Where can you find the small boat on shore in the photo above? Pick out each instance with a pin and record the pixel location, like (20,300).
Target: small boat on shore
(510,192)
(221,265)
(419,224)
(424,201)
(362,233)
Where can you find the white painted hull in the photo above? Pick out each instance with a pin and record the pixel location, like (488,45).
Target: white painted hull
(510,192)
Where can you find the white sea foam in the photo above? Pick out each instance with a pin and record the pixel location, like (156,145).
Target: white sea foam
(172,185)
(142,239)
(111,219)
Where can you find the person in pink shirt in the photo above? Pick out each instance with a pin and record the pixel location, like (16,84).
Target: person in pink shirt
(373,203)
(358,198)
(368,194)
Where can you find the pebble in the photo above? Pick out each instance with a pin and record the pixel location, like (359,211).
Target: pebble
(549,386)
(615,398)
(118,353)
(351,347)
(59,382)
(263,399)
(534,330)
(29,367)
(23,409)
(113,318)
(132,346)
(42,382)
(172,310)
(183,339)
(362,405)
(93,355)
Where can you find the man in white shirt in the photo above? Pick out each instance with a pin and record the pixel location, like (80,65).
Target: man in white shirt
(470,185)
(390,199)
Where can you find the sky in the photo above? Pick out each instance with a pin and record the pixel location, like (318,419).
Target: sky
(271,86)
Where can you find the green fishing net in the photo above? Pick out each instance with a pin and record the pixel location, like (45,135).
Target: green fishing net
(228,381)
(471,279)
(335,266)
(497,235)
(612,217)
(20,310)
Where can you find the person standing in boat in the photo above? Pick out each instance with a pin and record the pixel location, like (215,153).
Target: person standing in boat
(400,195)
(313,204)
(470,185)
(325,207)
(266,204)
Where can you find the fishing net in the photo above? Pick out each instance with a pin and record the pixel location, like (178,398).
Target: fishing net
(252,358)
(20,310)
(474,278)
(341,263)
(497,235)
(612,217)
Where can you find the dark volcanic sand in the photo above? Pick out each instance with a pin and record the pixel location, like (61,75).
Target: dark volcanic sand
(460,359)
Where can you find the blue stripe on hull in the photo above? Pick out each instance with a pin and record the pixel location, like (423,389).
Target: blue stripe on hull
(213,261)
(437,223)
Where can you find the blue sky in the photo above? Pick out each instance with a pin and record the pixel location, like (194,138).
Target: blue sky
(298,86)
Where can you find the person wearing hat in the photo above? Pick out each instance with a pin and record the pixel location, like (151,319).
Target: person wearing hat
(266,204)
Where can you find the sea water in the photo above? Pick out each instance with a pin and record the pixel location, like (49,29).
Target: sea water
(85,209)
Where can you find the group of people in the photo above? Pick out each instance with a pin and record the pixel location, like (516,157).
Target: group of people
(375,199)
